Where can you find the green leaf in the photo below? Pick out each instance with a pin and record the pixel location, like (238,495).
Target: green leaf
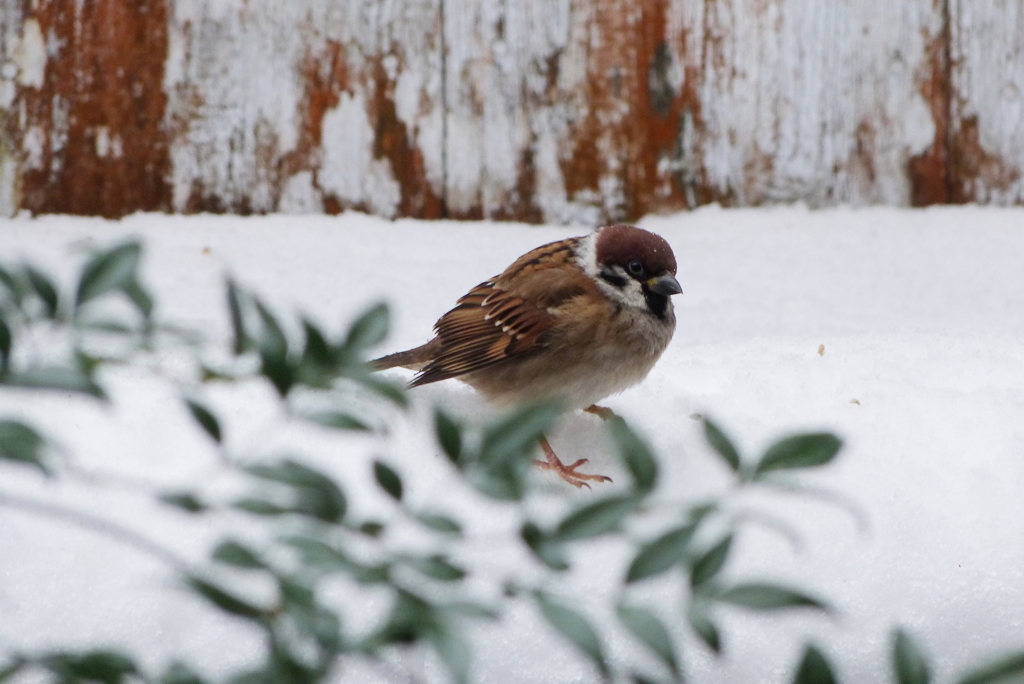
(180,673)
(639,678)
(471,609)
(6,338)
(505,481)
(57,378)
(11,668)
(317,350)
(325,503)
(337,420)
(140,298)
(233,553)
(108,667)
(369,329)
(646,627)
(708,565)
(515,435)
(19,442)
(661,554)
(436,567)
(574,627)
(548,550)
(371,529)
(764,596)
(13,285)
(440,523)
(108,271)
(107,326)
(373,574)
(800,451)
(44,287)
(205,419)
(702,625)
(908,661)
(241,338)
(393,392)
(273,348)
(184,500)
(318,554)
(722,445)
(814,668)
(597,518)
(296,593)
(454,652)
(224,600)
(318,495)
(449,435)
(321,623)
(1007,670)
(411,618)
(635,454)
(261,507)
(388,480)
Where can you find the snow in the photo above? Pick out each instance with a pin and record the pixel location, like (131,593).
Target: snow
(922,373)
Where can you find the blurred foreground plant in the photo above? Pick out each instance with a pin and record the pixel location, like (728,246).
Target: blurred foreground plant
(61,341)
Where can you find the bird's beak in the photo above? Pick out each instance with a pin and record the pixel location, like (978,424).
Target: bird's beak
(664,285)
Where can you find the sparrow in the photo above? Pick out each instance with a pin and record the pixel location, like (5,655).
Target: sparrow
(573,321)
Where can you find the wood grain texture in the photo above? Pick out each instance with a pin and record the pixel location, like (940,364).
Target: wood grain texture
(986,143)
(306,106)
(585,111)
(86,108)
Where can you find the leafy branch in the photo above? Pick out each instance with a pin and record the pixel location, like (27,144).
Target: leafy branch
(310,536)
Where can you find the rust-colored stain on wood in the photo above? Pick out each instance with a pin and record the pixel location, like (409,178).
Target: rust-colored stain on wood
(626,110)
(633,127)
(324,75)
(975,169)
(929,171)
(392,142)
(99,112)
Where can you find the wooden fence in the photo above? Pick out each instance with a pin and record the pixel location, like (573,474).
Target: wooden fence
(533,110)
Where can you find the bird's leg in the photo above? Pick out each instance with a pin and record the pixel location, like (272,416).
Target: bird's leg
(566,472)
(602,412)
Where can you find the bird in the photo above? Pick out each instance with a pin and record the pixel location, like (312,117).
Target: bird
(573,321)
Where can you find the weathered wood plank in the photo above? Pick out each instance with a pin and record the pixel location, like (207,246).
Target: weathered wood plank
(85,105)
(570,110)
(614,109)
(536,110)
(986,144)
(816,101)
(306,105)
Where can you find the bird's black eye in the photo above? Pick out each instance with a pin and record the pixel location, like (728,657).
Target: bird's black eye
(635,267)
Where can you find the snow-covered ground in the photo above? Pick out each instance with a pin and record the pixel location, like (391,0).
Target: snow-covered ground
(921,318)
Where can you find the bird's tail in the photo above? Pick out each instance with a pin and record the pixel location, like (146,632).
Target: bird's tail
(413,359)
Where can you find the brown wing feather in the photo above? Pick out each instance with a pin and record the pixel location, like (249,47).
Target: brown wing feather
(491,324)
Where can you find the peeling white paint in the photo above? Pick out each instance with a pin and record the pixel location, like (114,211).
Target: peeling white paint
(29,54)
(33,144)
(793,101)
(300,195)
(8,186)
(987,57)
(918,125)
(349,170)
(108,145)
(8,91)
(233,68)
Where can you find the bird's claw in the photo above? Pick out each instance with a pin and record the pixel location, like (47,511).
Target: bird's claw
(568,472)
(602,412)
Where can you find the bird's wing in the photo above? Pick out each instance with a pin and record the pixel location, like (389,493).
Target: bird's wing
(506,316)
